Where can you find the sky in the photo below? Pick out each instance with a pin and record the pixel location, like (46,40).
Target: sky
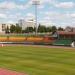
(50,12)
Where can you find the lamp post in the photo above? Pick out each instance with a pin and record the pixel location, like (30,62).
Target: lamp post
(36,3)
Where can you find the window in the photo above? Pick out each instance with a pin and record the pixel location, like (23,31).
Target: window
(3,27)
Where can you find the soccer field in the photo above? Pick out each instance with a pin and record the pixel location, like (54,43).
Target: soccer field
(38,60)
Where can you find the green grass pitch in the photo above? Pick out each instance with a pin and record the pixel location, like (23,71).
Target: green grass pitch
(38,60)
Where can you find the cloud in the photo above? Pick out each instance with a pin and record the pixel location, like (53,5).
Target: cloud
(58,19)
(30,16)
(45,16)
(65,5)
(28,4)
(7,5)
(46,22)
(11,22)
(41,6)
(72,15)
(42,3)
(3,15)
(58,15)
(12,5)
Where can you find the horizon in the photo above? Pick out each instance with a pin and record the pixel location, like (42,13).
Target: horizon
(50,12)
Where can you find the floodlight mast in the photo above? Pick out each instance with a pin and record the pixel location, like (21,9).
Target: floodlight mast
(36,3)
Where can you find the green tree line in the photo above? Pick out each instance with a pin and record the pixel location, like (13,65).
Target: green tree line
(40,29)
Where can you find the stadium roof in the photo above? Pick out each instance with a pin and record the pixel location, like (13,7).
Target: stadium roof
(65,33)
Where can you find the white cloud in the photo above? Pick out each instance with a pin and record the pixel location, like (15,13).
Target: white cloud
(47,17)
(57,18)
(53,15)
(11,22)
(41,6)
(58,15)
(7,5)
(46,22)
(65,5)
(30,16)
(3,15)
(12,5)
(72,15)
(28,4)
(41,3)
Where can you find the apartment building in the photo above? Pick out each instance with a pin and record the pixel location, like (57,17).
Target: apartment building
(24,24)
(3,26)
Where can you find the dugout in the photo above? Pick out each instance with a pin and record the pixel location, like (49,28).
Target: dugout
(64,38)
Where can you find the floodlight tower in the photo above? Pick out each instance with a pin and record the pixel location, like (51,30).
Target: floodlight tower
(36,3)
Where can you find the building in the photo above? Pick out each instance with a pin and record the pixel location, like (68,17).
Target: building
(4,26)
(21,22)
(65,35)
(70,29)
(24,24)
(64,38)
(73,29)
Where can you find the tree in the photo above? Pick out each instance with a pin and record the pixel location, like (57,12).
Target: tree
(60,29)
(7,30)
(18,29)
(23,31)
(41,28)
(12,29)
(29,29)
(48,29)
(54,29)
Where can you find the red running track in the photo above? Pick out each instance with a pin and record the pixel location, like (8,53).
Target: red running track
(8,72)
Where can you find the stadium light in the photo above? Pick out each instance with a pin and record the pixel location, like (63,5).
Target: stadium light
(36,3)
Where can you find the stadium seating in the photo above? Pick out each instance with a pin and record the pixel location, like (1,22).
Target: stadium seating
(63,42)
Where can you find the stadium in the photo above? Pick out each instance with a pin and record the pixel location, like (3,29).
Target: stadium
(37,55)
(37,37)
(60,38)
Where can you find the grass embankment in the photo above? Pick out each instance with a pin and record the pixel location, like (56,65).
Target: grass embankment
(38,61)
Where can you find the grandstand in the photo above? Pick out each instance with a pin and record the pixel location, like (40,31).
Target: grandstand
(64,38)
